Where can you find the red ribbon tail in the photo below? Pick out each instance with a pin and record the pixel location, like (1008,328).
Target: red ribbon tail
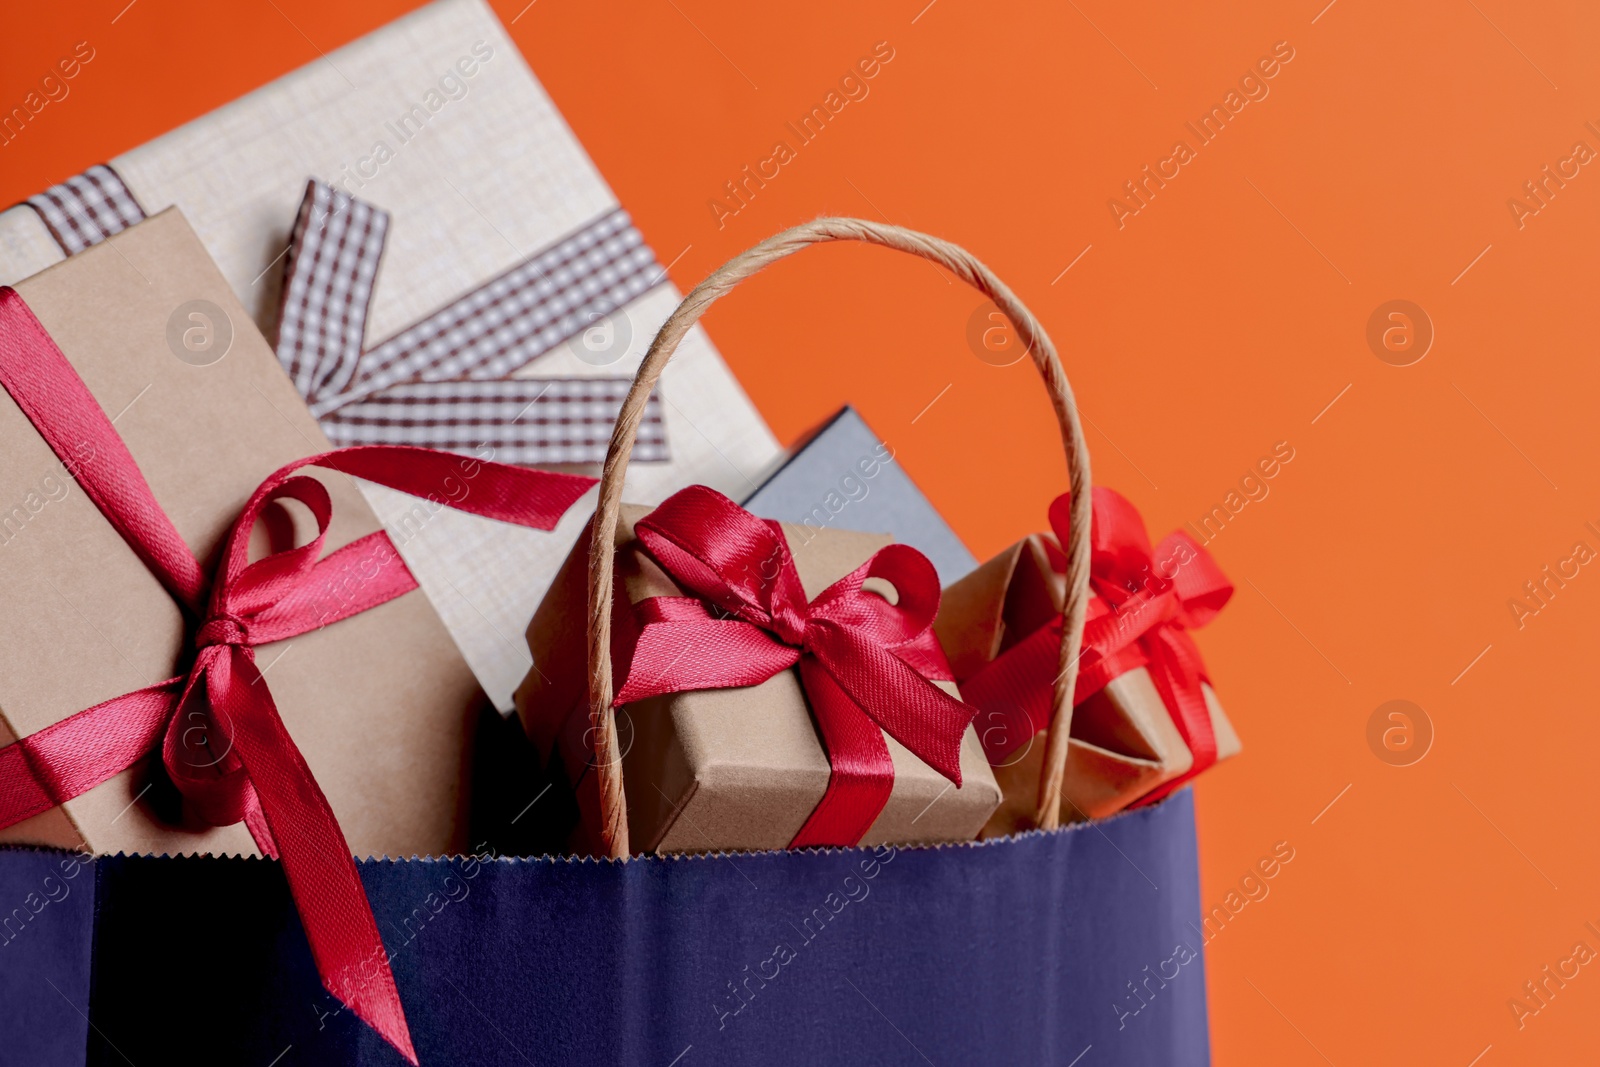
(862,774)
(517,495)
(255,820)
(375,1001)
(1176,669)
(907,706)
(322,874)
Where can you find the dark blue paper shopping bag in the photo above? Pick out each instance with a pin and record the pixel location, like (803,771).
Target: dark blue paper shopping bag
(1074,946)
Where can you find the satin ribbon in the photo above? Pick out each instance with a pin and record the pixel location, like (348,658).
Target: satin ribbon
(865,663)
(1143,604)
(219,734)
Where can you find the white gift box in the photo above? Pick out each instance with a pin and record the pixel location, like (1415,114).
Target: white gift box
(436,120)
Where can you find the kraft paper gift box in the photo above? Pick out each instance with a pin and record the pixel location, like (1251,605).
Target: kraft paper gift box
(1124,743)
(841,476)
(380,704)
(435,123)
(736,768)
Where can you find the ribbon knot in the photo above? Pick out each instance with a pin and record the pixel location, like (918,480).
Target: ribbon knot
(865,663)
(222,630)
(791,623)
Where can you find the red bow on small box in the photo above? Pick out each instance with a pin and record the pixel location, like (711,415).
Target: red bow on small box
(865,663)
(1144,603)
(259,775)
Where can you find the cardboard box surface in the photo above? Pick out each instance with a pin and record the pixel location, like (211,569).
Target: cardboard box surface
(738,768)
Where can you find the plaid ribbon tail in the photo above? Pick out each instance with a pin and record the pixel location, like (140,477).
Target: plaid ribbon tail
(525,421)
(445,382)
(332,263)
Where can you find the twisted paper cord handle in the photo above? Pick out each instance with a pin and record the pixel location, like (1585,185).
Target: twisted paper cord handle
(961,263)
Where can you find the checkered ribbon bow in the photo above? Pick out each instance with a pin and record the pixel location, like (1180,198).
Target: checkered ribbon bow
(450,381)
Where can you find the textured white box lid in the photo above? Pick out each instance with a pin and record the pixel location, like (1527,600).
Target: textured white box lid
(492,177)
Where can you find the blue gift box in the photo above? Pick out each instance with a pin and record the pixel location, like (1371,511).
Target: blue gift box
(841,476)
(1077,946)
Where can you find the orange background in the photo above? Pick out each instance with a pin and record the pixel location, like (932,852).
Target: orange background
(1220,320)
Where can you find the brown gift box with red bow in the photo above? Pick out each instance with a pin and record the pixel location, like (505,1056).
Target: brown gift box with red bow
(734,768)
(1123,742)
(381,704)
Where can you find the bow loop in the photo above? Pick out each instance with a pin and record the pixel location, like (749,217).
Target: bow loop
(1136,588)
(721,553)
(1140,590)
(850,603)
(1201,586)
(1119,547)
(245,589)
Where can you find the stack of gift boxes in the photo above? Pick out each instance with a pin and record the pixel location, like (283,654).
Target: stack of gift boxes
(711,761)
(214,650)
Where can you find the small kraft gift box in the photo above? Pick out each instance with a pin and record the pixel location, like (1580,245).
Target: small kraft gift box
(720,750)
(182,668)
(1146,719)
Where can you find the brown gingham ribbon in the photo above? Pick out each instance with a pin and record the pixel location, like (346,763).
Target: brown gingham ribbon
(87,208)
(446,381)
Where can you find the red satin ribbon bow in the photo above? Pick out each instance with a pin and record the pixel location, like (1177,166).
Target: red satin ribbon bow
(218,731)
(1142,606)
(865,663)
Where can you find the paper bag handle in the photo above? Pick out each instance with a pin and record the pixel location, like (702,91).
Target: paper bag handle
(961,263)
